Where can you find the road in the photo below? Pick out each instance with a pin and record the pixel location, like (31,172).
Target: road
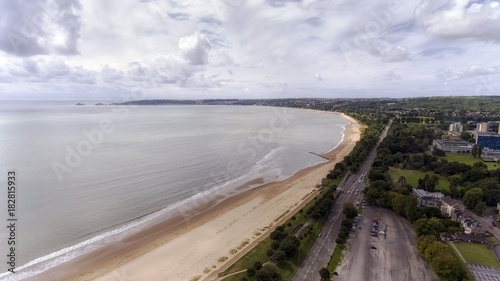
(320,253)
(390,257)
(485,223)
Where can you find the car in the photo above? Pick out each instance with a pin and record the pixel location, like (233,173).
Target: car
(331,220)
(373,247)
(490,226)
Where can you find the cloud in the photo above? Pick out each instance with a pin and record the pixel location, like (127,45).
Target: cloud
(82,76)
(273,47)
(195,48)
(460,18)
(110,75)
(448,74)
(396,54)
(40,27)
(390,76)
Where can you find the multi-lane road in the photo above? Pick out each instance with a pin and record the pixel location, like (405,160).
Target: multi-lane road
(320,253)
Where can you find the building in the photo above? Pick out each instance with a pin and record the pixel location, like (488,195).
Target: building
(456,128)
(427,198)
(448,206)
(491,141)
(471,238)
(452,145)
(482,127)
(490,155)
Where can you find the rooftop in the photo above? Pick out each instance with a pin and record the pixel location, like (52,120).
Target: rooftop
(472,238)
(449,201)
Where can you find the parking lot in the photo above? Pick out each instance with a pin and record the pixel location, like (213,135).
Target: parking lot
(389,254)
(484,273)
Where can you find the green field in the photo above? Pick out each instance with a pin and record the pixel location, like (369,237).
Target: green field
(412,177)
(477,254)
(469,160)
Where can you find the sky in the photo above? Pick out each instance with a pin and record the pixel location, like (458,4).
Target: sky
(194,49)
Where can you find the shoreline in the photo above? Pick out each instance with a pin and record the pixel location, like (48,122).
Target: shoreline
(191,247)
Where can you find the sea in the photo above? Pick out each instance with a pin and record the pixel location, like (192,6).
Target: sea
(90,175)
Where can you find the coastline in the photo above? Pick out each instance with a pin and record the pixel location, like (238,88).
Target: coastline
(180,249)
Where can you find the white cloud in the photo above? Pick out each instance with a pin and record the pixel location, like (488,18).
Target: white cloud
(273,47)
(390,76)
(471,71)
(40,27)
(460,18)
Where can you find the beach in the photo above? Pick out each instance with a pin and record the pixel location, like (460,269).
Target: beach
(203,245)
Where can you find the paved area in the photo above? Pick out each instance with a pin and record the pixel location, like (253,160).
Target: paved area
(390,257)
(484,273)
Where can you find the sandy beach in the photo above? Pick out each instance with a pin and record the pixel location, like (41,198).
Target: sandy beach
(208,243)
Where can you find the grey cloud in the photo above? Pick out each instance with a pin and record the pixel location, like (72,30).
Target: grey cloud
(195,48)
(82,75)
(137,72)
(110,75)
(30,66)
(40,27)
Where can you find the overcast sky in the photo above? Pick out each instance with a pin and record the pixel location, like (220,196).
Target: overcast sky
(93,49)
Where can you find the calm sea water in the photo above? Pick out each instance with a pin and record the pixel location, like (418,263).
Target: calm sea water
(90,175)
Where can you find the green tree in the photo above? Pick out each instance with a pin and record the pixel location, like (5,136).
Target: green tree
(474,151)
(257,265)
(472,197)
(479,208)
(278,235)
(270,252)
(398,203)
(349,211)
(402,181)
(324,273)
(278,256)
(423,242)
(289,245)
(347,223)
(251,271)
(372,195)
(447,266)
(268,273)
(411,209)
(275,245)
(479,164)
(426,226)
(433,249)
